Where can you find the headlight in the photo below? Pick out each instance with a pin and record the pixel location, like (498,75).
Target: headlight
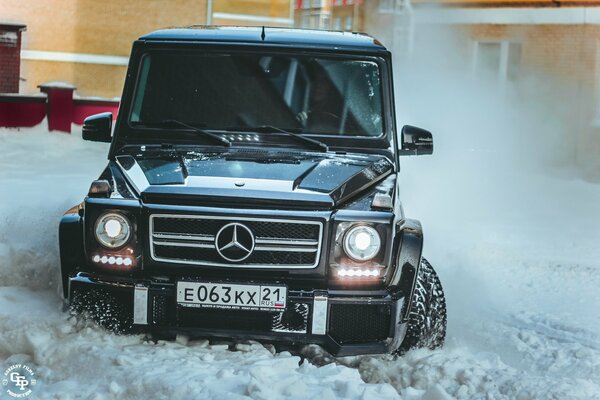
(112,230)
(362,243)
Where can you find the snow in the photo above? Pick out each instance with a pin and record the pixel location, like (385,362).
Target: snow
(58,85)
(74,359)
(42,174)
(513,233)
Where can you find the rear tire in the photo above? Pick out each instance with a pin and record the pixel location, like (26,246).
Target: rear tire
(427,317)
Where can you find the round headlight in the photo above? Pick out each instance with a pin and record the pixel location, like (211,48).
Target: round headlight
(112,230)
(361,243)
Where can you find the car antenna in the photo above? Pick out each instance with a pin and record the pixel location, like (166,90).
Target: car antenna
(262,35)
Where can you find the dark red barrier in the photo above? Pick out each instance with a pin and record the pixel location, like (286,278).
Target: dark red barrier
(84,108)
(60,106)
(57,104)
(21,111)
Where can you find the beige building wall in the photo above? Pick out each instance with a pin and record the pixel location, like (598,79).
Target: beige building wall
(348,17)
(93,38)
(252,12)
(67,28)
(331,15)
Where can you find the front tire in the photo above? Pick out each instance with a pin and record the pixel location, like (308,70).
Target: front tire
(427,317)
(104,308)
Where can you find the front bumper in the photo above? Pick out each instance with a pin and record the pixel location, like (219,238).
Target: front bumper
(344,322)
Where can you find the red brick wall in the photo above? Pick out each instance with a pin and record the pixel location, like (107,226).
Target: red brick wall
(10,64)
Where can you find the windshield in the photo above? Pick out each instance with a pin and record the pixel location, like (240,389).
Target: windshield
(316,95)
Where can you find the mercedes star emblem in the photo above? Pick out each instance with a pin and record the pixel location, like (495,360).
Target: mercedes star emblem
(234,242)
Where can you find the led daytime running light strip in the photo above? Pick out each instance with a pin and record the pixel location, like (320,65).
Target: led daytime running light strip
(358,272)
(112,260)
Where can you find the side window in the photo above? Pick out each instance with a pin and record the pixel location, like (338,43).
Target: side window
(497,60)
(135,113)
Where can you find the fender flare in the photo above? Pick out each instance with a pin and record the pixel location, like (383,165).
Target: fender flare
(409,249)
(70,239)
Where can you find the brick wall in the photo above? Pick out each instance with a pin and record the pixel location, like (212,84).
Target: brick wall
(562,62)
(10,57)
(558,73)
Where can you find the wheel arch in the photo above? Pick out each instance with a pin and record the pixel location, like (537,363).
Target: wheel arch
(409,250)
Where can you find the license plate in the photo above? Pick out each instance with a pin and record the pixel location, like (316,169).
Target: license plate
(232,296)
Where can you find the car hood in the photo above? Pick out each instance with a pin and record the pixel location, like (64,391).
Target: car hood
(251,178)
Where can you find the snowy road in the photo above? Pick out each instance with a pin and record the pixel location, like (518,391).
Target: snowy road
(518,256)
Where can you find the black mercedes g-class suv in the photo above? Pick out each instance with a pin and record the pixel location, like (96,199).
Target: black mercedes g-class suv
(251,193)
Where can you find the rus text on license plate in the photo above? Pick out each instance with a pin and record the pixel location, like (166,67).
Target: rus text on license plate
(231,296)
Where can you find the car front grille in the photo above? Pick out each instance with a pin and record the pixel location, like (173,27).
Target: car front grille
(201,239)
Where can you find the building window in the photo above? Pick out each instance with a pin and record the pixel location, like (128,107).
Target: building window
(305,21)
(391,6)
(497,60)
(337,23)
(337,2)
(348,26)
(315,20)
(386,6)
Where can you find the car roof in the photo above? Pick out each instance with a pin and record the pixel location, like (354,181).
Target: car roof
(272,36)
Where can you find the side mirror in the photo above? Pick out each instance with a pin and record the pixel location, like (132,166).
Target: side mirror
(416,141)
(97,128)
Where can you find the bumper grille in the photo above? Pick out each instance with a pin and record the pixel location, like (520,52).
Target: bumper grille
(275,243)
(359,323)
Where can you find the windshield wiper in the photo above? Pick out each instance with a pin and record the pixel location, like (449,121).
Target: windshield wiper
(216,138)
(270,128)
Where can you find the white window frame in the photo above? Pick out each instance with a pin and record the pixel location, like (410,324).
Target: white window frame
(504,52)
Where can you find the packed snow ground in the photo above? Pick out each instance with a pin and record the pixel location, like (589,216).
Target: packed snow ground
(518,256)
